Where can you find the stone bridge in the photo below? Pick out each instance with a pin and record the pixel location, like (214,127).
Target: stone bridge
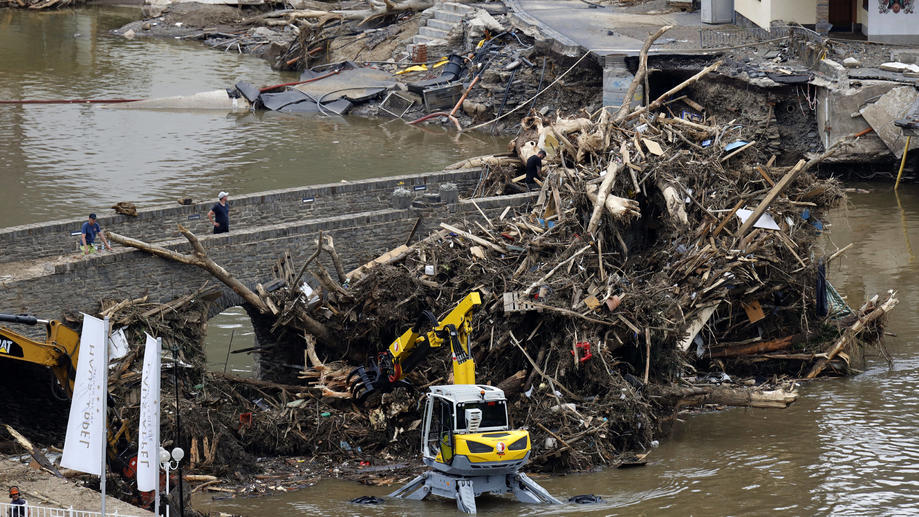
(42,272)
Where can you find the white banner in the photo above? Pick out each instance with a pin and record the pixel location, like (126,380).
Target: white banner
(148,438)
(84,445)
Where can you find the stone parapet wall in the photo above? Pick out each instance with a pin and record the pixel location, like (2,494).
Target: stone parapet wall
(158,223)
(80,285)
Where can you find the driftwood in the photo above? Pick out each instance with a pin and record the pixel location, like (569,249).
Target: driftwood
(740,397)
(513,384)
(35,453)
(200,259)
(660,100)
(618,207)
(384,8)
(640,74)
(611,171)
(851,332)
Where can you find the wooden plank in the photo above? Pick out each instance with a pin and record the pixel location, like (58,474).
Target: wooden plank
(770,197)
(738,151)
(727,218)
(765,175)
(653,147)
(474,238)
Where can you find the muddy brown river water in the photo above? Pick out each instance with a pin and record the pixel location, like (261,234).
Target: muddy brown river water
(846,447)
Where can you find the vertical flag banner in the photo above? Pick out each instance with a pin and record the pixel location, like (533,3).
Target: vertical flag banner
(85,440)
(148,450)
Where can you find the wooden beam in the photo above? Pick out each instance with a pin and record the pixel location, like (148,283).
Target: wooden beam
(770,197)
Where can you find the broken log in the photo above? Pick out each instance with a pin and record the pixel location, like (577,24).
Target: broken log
(851,332)
(199,259)
(611,171)
(660,100)
(639,74)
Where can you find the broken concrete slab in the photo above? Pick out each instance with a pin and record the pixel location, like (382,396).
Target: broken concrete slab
(881,115)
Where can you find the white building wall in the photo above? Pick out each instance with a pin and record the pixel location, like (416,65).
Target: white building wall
(888,24)
(764,12)
(757,11)
(800,11)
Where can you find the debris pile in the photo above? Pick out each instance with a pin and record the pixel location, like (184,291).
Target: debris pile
(663,258)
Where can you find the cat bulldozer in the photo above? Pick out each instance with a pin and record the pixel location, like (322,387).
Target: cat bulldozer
(466,438)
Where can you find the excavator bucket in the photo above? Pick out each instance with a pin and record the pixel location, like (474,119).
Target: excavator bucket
(368,380)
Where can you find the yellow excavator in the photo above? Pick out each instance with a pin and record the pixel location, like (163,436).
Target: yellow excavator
(466,438)
(60,352)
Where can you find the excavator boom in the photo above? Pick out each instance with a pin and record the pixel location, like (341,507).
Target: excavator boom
(413,346)
(60,352)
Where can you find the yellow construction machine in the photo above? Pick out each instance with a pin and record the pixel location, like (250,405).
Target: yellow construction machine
(60,352)
(466,437)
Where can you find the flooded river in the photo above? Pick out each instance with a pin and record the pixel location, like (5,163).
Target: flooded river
(61,161)
(847,447)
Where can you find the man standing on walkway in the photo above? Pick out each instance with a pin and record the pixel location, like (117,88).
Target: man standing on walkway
(18,505)
(220,214)
(534,166)
(88,233)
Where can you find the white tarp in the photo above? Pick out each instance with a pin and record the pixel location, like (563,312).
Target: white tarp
(765,221)
(148,437)
(118,345)
(84,445)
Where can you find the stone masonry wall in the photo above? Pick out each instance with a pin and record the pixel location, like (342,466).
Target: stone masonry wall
(156,224)
(247,254)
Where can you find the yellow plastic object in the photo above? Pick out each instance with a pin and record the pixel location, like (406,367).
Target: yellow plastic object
(443,61)
(902,163)
(413,68)
(489,447)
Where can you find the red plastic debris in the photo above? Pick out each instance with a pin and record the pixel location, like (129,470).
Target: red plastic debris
(584,348)
(245,419)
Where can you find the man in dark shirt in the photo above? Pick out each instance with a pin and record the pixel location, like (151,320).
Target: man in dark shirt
(534,166)
(18,505)
(88,233)
(220,214)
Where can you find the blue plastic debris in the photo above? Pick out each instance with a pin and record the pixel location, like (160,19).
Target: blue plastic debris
(546,224)
(736,144)
(806,214)
(706,143)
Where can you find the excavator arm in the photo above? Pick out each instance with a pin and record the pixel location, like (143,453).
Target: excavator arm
(413,346)
(60,352)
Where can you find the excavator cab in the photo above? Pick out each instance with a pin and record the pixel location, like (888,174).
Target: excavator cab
(466,437)
(466,432)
